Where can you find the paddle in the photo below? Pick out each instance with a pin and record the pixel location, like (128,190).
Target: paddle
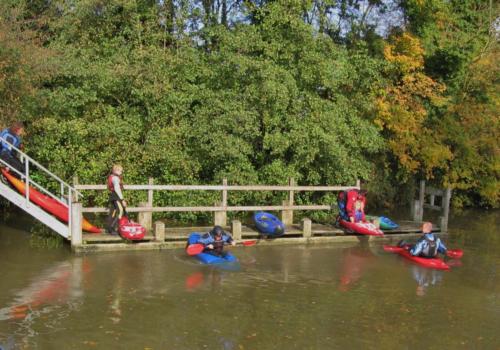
(197,248)
(451,253)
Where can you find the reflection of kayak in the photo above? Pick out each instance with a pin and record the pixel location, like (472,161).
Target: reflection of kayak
(385,222)
(49,204)
(268,224)
(209,258)
(433,263)
(354,262)
(364,228)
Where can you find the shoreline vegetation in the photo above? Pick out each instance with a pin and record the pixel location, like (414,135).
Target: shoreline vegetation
(325,92)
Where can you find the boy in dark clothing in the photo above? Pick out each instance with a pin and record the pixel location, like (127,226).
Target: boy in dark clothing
(10,138)
(214,241)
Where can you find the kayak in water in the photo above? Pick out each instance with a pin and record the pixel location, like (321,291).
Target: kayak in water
(433,263)
(207,258)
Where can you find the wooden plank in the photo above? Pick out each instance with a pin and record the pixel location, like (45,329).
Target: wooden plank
(432,207)
(434,191)
(212,209)
(221,188)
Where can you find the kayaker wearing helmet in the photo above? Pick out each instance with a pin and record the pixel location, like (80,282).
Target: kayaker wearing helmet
(117,203)
(215,240)
(12,137)
(428,246)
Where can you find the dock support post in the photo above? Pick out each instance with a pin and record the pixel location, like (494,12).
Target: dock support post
(287,215)
(236,229)
(76,225)
(159,231)
(306,228)
(220,217)
(145,218)
(419,212)
(446,210)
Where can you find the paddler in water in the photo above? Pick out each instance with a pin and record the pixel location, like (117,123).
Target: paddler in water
(428,246)
(117,203)
(215,240)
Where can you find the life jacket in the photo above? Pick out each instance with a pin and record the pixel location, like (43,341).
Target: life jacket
(9,137)
(346,202)
(218,245)
(111,188)
(431,248)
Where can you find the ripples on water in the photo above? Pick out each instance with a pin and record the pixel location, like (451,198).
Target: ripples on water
(280,297)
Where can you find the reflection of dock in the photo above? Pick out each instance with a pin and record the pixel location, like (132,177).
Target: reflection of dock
(175,237)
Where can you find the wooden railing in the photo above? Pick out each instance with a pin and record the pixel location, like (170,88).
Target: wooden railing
(432,193)
(145,209)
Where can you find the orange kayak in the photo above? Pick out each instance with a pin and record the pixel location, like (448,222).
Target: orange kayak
(49,204)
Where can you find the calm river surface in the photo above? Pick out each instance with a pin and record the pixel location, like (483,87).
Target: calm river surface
(282,297)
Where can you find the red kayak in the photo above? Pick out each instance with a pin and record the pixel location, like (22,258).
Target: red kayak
(433,263)
(49,204)
(364,228)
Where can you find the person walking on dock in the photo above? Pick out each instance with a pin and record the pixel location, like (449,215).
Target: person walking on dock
(12,137)
(117,203)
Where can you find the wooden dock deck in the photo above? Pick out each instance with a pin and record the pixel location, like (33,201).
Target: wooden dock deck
(175,237)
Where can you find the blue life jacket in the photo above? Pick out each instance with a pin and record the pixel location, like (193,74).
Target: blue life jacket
(9,137)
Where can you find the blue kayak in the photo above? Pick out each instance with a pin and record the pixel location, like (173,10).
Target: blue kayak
(207,258)
(268,224)
(384,222)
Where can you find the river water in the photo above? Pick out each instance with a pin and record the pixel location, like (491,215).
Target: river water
(323,296)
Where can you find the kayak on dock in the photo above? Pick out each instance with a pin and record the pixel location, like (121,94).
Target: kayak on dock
(363,228)
(433,263)
(47,203)
(384,222)
(207,258)
(268,224)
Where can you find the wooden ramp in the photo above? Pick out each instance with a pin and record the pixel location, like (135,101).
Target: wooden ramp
(175,237)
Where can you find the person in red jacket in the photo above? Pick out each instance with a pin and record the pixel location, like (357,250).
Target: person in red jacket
(117,203)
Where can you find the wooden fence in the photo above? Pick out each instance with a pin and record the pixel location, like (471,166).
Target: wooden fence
(145,209)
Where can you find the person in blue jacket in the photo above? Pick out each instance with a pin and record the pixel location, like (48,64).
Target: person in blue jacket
(12,137)
(428,246)
(215,240)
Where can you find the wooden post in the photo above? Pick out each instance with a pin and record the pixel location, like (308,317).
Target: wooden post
(76,224)
(432,199)
(306,228)
(415,207)
(446,209)
(220,218)
(421,199)
(236,229)
(358,184)
(145,218)
(287,215)
(150,193)
(159,231)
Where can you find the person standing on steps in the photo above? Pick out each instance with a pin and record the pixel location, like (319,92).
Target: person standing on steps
(12,137)
(117,203)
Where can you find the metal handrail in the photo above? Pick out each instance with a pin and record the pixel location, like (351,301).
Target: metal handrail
(72,192)
(31,160)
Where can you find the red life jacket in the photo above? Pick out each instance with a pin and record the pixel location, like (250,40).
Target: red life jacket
(110,182)
(352,196)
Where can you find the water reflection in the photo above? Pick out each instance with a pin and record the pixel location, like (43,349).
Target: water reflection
(355,260)
(59,284)
(425,278)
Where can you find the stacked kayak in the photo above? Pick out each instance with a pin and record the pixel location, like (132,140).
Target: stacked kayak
(433,263)
(47,203)
(209,258)
(268,224)
(363,228)
(385,222)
